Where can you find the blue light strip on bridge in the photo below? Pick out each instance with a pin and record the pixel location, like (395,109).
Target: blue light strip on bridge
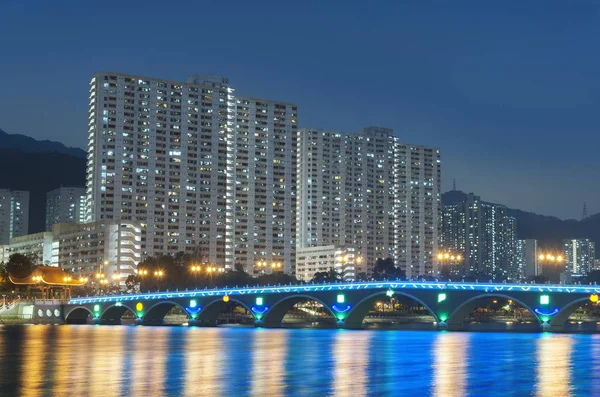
(302,288)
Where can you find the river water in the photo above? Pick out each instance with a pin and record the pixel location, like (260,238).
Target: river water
(86,360)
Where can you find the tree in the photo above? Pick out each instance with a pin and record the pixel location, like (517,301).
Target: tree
(386,269)
(330,276)
(131,281)
(19,266)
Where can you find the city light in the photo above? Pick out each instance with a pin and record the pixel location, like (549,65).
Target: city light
(225,298)
(594,298)
(544,299)
(449,257)
(341,298)
(551,258)
(389,293)
(193,303)
(441,297)
(259,301)
(139,306)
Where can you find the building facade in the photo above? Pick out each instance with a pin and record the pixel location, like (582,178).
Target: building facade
(37,247)
(580,256)
(202,171)
(486,236)
(528,258)
(14,214)
(112,248)
(65,205)
(313,260)
(369,193)
(261,224)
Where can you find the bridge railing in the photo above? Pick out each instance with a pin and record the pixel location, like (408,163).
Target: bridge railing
(49,302)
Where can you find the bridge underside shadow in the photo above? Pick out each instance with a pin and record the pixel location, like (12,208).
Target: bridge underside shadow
(156,314)
(209,315)
(79,315)
(114,314)
(274,317)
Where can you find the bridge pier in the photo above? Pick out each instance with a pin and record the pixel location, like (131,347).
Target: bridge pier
(553,327)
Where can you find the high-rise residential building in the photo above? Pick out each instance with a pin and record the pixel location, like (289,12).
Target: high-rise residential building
(484,234)
(65,205)
(370,193)
(199,177)
(14,214)
(261,225)
(527,258)
(157,154)
(580,255)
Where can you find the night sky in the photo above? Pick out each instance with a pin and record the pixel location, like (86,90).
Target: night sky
(509,92)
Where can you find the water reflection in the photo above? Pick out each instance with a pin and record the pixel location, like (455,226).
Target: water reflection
(173,361)
(204,363)
(450,365)
(351,360)
(553,365)
(268,370)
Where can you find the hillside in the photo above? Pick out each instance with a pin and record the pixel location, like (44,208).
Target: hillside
(549,230)
(30,145)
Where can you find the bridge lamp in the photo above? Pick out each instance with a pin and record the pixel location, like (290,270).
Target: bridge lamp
(594,298)
(119,304)
(341,298)
(259,301)
(193,303)
(442,297)
(225,298)
(389,293)
(96,308)
(139,306)
(443,317)
(544,300)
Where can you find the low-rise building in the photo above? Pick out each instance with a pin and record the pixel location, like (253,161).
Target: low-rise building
(37,247)
(112,248)
(311,260)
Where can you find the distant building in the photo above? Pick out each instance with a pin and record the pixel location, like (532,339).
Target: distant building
(4,253)
(484,234)
(65,205)
(37,247)
(370,193)
(527,258)
(112,248)
(14,214)
(313,260)
(580,256)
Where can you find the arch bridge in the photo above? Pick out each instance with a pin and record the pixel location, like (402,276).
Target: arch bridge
(349,303)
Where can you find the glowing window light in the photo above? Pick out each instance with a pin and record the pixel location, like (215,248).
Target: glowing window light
(225,298)
(259,301)
(441,297)
(544,299)
(193,303)
(341,298)
(139,306)
(594,298)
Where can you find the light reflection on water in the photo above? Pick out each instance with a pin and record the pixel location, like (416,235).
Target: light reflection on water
(172,361)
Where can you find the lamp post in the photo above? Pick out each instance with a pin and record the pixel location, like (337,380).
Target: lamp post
(195,269)
(449,259)
(117,279)
(159,275)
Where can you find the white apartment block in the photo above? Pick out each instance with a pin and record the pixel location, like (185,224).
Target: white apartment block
(37,247)
(313,260)
(112,248)
(262,222)
(370,193)
(4,253)
(65,205)
(199,177)
(14,214)
(157,154)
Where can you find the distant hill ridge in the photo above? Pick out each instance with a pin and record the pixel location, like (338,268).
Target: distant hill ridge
(30,145)
(549,230)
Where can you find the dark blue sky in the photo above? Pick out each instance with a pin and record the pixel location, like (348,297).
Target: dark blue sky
(509,92)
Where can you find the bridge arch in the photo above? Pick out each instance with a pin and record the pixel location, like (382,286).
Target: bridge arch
(358,313)
(457,317)
(78,315)
(565,312)
(279,309)
(210,312)
(157,312)
(113,314)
